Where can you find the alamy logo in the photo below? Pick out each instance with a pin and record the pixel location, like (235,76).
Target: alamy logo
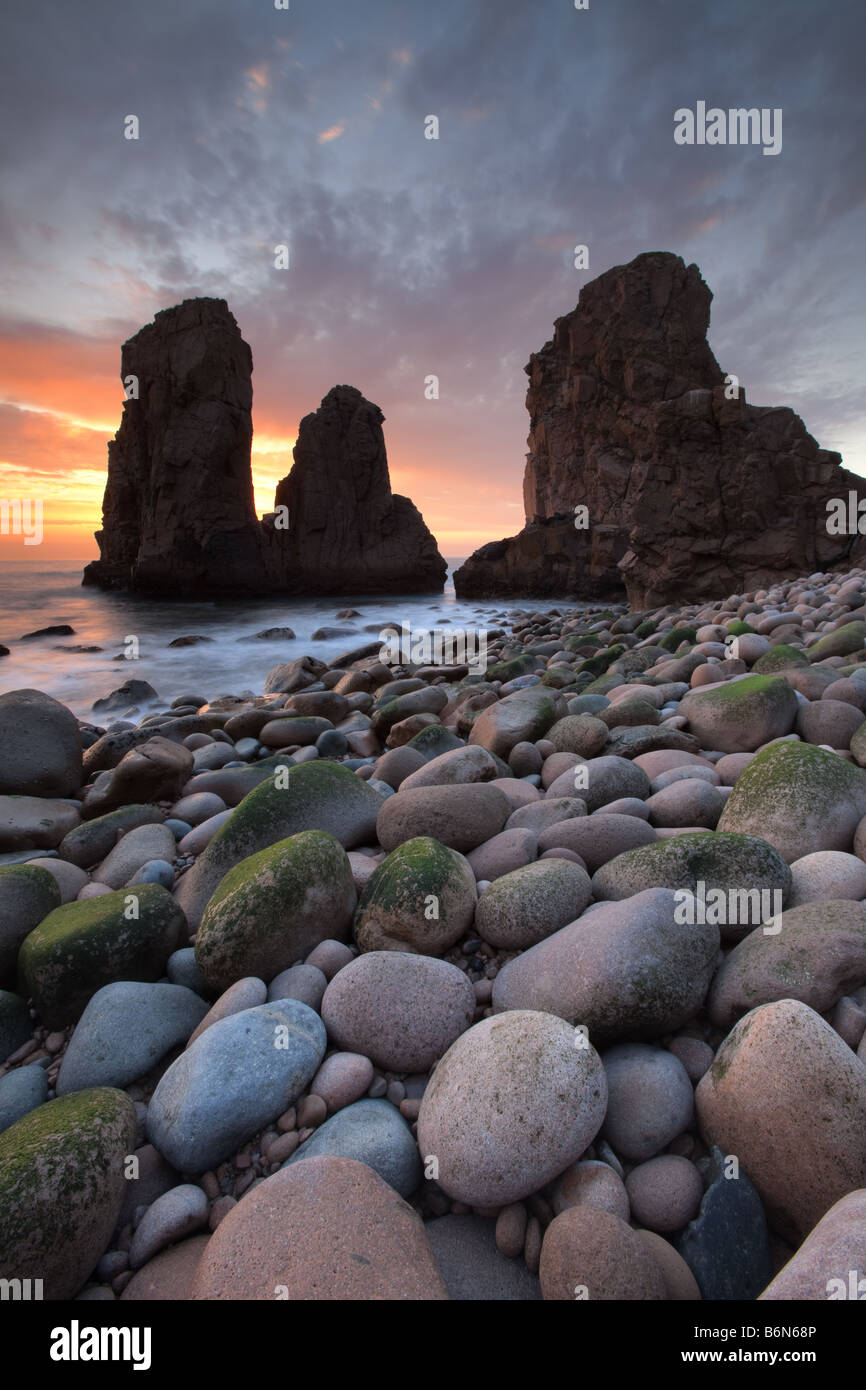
(77,1343)
(736,126)
(738,907)
(20,1290)
(22,517)
(405,647)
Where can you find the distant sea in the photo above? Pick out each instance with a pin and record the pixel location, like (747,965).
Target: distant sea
(32,597)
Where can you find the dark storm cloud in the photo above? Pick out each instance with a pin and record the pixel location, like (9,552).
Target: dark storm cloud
(451,256)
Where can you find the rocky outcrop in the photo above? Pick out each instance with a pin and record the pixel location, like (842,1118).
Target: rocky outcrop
(347,531)
(178,512)
(689,490)
(549,558)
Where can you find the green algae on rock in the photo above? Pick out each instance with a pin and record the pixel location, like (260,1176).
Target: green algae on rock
(62,1183)
(730,862)
(310,796)
(739,716)
(851,637)
(81,946)
(779,658)
(270,910)
(27,894)
(420,899)
(817,956)
(799,799)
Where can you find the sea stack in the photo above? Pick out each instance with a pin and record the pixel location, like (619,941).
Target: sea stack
(178,513)
(346,529)
(687,488)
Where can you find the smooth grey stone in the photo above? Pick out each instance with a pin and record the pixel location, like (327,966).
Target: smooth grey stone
(304,982)
(40,746)
(381,787)
(137,848)
(182,969)
(237,1077)
(155,871)
(20,1092)
(177,1213)
(373,1132)
(727,1246)
(23,856)
(124,1031)
(178,828)
(154,1177)
(587,704)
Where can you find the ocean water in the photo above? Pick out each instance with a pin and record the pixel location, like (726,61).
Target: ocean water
(32,598)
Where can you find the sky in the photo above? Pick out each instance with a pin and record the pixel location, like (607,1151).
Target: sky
(411,257)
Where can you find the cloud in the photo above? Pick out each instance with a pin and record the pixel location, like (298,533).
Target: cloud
(412,256)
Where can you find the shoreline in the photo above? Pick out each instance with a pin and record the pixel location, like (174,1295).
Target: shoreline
(422,878)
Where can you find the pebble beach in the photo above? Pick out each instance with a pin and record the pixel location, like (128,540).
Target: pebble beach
(540,981)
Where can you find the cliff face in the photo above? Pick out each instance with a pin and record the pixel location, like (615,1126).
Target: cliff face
(178,511)
(690,490)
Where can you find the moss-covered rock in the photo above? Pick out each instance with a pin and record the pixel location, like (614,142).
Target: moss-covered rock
(62,1183)
(817,955)
(578,733)
(433,741)
(78,948)
(851,637)
(739,716)
(311,796)
(431,700)
(598,664)
(646,628)
(421,899)
(601,685)
(632,663)
(559,677)
(857,746)
(780,658)
(730,862)
(27,894)
(632,741)
(505,671)
(738,628)
(674,639)
(272,909)
(798,798)
(523,907)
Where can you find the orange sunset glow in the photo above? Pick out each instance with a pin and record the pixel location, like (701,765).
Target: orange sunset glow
(60,403)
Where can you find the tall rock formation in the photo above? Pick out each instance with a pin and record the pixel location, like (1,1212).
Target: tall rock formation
(178,513)
(347,530)
(690,491)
